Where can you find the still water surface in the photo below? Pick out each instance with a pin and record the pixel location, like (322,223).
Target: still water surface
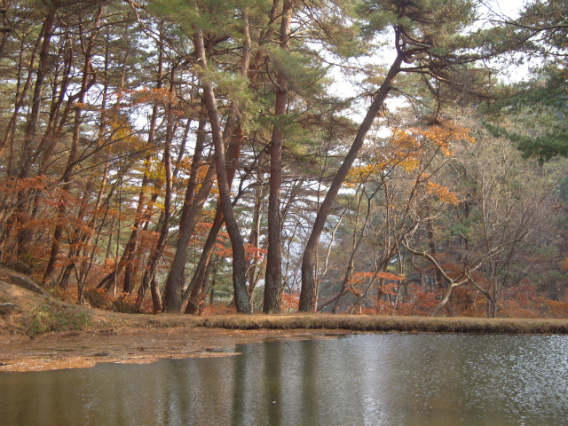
(377,379)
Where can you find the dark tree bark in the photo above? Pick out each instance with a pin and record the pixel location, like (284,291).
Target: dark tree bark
(197,284)
(174,283)
(173,299)
(273,280)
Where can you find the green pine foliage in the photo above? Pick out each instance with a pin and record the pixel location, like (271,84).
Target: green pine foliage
(536,110)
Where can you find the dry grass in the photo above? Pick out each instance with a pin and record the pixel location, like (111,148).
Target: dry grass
(385,323)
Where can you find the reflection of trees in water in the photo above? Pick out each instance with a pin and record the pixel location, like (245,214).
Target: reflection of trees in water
(378,379)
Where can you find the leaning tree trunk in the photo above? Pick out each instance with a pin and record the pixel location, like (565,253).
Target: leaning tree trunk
(307,295)
(174,282)
(195,287)
(239,266)
(197,284)
(173,299)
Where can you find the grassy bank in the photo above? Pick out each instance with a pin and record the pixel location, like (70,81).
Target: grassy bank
(386,324)
(58,319)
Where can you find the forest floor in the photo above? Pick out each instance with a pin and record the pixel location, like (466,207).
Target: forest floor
(39,332)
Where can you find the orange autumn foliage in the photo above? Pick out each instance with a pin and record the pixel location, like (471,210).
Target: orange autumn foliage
(390,276)
(554,308)
(290,302)
(218,308)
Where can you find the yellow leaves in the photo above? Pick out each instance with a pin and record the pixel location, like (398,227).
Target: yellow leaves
(445,133)
(409,164)
(443,193)
(403,150)
(123,135)
(441,136)
(407,148)
(405,140)
(361,174)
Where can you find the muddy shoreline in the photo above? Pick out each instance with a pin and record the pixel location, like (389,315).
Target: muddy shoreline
(54,351)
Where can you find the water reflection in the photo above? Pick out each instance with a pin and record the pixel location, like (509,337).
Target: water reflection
(388,379)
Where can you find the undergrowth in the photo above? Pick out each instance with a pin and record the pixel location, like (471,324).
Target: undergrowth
(125,303)
(48,317)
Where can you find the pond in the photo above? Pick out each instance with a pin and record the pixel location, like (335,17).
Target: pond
(365,379)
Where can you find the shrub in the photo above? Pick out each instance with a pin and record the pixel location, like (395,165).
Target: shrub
(125,302)
(98,298)
(51,318)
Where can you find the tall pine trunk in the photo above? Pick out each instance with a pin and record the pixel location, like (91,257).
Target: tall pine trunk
(273,280)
